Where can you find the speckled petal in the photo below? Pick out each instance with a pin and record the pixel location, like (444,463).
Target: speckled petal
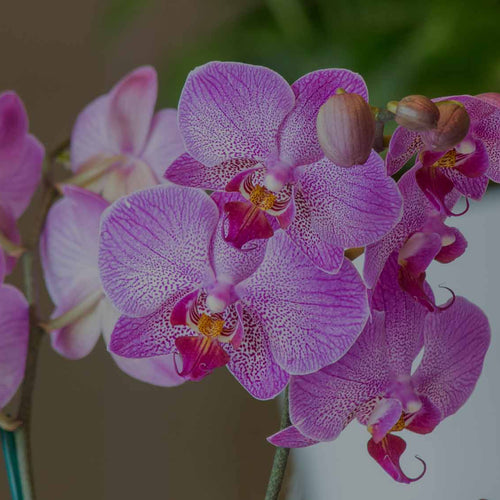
(253,364)
(455,343)
(14,332)
(232,110)
(298,137)
(403,146)
(155,243)
(323,403)
(312,318)
(290,437)
(348,207)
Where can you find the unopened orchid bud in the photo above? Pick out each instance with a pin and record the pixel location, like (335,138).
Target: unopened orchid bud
(346,129)
(452,127)
(415,112)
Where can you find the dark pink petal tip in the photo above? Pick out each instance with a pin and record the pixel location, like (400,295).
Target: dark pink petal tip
(246,222)
(200,356)
(387,454)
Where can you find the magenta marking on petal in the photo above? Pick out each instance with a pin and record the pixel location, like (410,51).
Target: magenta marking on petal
(387,454)
(436,186)
(200,356)
(426,419)
(180,311)
(246,222)
(414,285)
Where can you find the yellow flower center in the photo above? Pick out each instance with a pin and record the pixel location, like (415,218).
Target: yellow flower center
(262,197)
(210,327)
(448,160)
(399,425)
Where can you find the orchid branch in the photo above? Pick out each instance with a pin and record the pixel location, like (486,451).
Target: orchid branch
(280,457)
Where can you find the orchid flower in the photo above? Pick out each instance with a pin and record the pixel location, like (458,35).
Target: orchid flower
(118,144)
(69,252)
(14,334)
(247,130)
(373,381)
(265,311)
(420,237)
(21,156)
(466,167)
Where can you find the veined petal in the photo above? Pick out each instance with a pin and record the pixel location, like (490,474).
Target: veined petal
(323,403)
(186,171)
(155,243)
(404,319)
(416,209)
(298,137)
(290,437)
(19,176)
(404,145)
(164,142)
(455,344)
(14,332)
(312,318)
(69,246)
(252,362)
(131,106)
(232,110)
(387,454)
(350,207)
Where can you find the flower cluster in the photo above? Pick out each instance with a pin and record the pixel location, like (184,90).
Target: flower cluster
(218,235)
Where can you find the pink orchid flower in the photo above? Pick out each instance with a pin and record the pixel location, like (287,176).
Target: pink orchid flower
(420,237)
(21,157)
(119,144)
(14,334)
(265,311)
(467,167)
(69,251)
(247,130)
(374,383)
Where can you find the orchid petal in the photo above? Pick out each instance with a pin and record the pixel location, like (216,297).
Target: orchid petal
(298,137)
(341,388)
(164,142)
(384,416)
(387,454)
(425,420)
(13,126)
(451,251)
(290,437)
(19,177)
(14,333)
(350,207)
(253,364)
(155,243)
(404,319)
(131,107)
(186,171)
(404,145)
(232,110)
(312,318)
(455,344)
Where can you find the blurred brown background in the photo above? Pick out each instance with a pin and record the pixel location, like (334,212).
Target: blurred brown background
(99,434)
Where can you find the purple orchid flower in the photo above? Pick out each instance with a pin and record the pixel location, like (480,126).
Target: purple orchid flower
(14,333)
(69,251)
(467,167)
(21,156)
(265,311)
(373,381)
(119,145)
(247,130)
(420,237)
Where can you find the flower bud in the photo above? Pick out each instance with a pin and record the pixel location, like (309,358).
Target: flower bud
(346,129)
(415,112)
(452,127)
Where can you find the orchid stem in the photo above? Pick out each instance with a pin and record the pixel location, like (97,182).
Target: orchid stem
(280,457)
(10,456)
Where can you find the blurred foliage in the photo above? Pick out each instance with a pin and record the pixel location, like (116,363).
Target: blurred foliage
(433,47)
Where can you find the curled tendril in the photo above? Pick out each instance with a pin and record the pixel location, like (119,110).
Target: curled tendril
(450,302)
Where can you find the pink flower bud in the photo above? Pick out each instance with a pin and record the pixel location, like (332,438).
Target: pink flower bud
(346,129)
(415,112)
(452,127)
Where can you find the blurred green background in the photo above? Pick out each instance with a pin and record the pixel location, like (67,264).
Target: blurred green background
(399,46)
